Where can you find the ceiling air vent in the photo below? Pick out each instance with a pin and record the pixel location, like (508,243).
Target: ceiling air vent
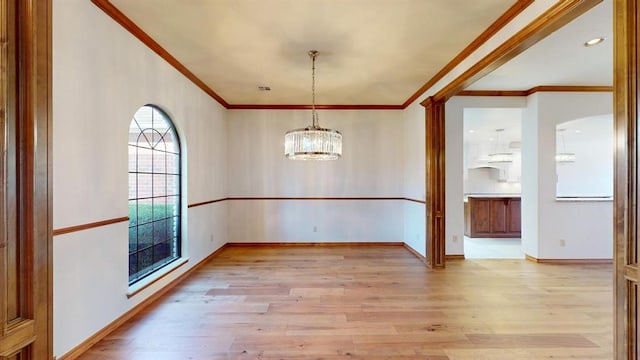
(264,88)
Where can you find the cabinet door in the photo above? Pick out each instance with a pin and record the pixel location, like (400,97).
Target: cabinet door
(499,216)
(480,216)
(513,216)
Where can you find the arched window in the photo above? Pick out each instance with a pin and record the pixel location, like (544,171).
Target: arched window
(154,192)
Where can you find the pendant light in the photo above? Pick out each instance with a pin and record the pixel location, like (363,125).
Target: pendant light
(313,142)
(564,156)
(499,156)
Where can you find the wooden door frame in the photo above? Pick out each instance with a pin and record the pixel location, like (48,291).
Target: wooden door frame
(554,18)
(26,196)
(626,101)
(627,271)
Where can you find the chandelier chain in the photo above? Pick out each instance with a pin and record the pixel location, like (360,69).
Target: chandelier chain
(314,115)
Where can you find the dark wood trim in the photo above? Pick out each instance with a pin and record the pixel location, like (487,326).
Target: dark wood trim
(104,332)
(313,244)
(316,198)
(136,31)
(533,90)
(492,93)
(207,202)
(181,262)
(26,256)
(454,257)
(551,20)
(415,252)
(554,18)
(301,198)
(423,202)
(92,225)
(625,204)
(568,261)
(568,88)
(435,181)
(496,26)
(308,107)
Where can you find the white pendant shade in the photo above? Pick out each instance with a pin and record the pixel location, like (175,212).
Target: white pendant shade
(501,158)
(565,157)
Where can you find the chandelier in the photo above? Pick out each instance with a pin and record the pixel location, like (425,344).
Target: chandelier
(313,142)
(564,156)
(500,157)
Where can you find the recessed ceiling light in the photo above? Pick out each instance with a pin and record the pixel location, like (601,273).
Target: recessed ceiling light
(471,131)
(578,131)
(594,41)
(491,139)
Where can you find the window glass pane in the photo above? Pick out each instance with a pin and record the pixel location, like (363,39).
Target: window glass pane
(145,184)
(145,259)
(161,252)
(160,184)
(132,185)
(173,184)
(160,162)
(145,157)
(145,211)
(133,160)
(171,142)
(154,192)
(133,264)
(173,206)
(173,163)
(161,230)
(145,236)
(159,208)
(133,239)
(133,218)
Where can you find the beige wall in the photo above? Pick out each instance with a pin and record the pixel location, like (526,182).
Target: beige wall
(101,76)
(371,166)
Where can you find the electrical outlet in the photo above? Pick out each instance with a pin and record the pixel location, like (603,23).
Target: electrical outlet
(563,243)
(315,228)
(455,238)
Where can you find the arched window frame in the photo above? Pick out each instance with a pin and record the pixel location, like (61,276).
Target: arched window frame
(155,193)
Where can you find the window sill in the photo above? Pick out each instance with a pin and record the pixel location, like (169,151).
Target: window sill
(150,280)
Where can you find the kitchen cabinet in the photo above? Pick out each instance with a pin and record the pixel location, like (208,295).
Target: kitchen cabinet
(492,217)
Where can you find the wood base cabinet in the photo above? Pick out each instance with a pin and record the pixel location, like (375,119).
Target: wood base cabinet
(492,217)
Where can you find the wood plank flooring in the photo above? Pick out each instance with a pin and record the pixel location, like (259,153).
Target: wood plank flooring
(371,302)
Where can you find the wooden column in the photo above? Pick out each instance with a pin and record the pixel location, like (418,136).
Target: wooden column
(435,181)
(25,174)
(626,22)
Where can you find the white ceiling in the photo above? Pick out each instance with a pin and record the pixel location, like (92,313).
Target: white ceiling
(371,51)
(561,58)
(480,125)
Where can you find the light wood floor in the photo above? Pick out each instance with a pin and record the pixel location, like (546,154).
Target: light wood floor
(372,302)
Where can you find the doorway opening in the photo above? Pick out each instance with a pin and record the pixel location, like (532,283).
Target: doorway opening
(492,170)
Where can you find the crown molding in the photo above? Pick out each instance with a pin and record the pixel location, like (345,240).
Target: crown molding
(551,20)
(496,26)
(135,30)
(560,88)
(308,107)
(533,90)
(492,93)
